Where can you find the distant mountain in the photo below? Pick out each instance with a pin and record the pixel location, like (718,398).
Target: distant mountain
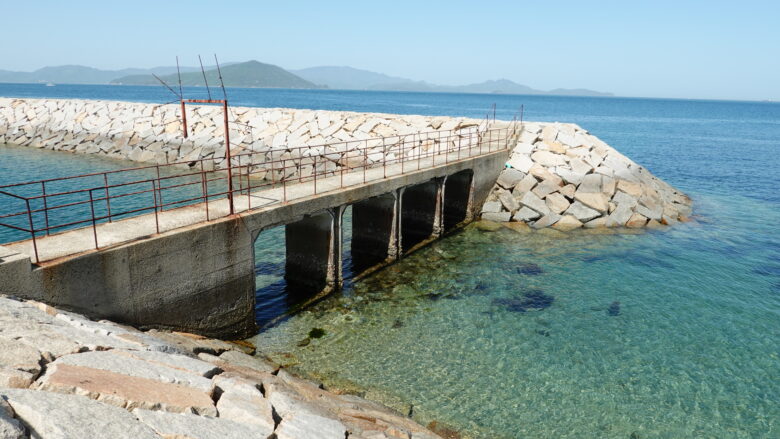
(245,74)
(348,78)
(355,79)
(257,74)
(74,74)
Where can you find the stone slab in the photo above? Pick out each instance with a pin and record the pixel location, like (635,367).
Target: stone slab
(185,425)
(56,416)
(125,391)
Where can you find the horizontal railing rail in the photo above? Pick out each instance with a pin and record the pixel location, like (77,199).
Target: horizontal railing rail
(50,206)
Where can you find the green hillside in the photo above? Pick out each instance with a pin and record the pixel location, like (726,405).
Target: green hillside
(246,74)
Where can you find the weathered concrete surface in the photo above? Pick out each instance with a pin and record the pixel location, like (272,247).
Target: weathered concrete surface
(199,276)
(89,392)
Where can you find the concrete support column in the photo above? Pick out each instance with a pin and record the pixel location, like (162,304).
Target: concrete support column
(457,199)
(420,219)
(374,231)
(313,262)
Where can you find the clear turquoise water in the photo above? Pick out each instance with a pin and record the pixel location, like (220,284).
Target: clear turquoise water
(693,352)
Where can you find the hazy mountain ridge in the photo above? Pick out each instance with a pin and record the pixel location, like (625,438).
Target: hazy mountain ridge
(356,79)
(246,74)
(75,74)
(257,74)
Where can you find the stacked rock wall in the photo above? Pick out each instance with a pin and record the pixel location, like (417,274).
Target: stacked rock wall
(560,175)
(152,133)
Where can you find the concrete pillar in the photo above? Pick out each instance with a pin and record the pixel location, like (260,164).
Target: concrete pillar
(374,232)
(420,217)
(457,199)
(313,253)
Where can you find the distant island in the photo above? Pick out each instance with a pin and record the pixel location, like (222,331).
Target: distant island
(261,75)
(246,74)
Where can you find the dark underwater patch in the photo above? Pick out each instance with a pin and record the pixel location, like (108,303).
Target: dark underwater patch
(768,270)
(529,269)
(532,300)
(317,333)
(614,309)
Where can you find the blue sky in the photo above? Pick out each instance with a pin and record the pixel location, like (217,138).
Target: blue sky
(682,49)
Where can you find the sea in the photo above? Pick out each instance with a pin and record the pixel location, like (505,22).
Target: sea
(670,333)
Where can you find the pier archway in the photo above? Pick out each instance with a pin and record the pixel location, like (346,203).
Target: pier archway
(419,213)
(456,198)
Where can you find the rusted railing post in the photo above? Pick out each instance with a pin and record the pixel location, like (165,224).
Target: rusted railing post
(156,219)
(94,225)
(108,201)
(32,231)
(159,187)
(45,207)
(227,157)
(204,188)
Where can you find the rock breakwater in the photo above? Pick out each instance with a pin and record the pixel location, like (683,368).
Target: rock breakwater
(152,133)
(63,375)
(561,176)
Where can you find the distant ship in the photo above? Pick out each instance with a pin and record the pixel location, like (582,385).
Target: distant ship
(49,84)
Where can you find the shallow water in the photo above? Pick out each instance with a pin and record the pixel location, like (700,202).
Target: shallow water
(658,334)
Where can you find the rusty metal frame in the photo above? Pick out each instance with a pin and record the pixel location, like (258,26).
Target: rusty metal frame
(398,149)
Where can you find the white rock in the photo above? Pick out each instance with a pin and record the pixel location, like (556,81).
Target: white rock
(525,215)
(547,158)
(499,217)
(491,207)
(620,216)
(242,402)
(508,201)
(186,425)
(568,222)
(301,425)
(621,197)
(557,202)
(534,202)
(509,177)
(129,363)
(582,212)
(591,183)
(10,428)
(521,162)
(596,201)
(52,415)
(546,221)
(526,184)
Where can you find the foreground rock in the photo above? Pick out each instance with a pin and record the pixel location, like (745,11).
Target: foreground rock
(561,176)
(65,376)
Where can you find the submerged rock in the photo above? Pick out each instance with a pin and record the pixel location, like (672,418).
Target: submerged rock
(532,300)
(530,269)
(317,333)
(614,308)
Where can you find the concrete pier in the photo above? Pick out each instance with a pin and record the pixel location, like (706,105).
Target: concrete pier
(197,275)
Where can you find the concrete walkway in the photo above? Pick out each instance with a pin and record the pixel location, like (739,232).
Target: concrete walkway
(78,241)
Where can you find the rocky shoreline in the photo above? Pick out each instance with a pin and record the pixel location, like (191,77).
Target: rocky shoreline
(561,176)
(65,376)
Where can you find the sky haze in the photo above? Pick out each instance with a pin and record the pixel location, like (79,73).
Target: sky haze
(710,50)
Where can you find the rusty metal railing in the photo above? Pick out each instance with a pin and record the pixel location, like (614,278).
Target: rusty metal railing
(89,200)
